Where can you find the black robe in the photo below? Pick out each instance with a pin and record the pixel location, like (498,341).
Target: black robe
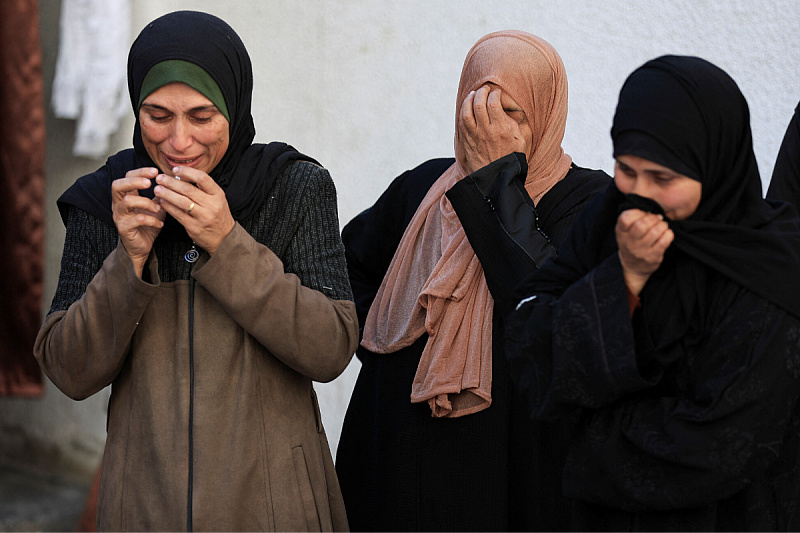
(400,469)
(706,441)
(689,405)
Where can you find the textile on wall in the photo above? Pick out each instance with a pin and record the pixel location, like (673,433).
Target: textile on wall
(22,143)
(91,83)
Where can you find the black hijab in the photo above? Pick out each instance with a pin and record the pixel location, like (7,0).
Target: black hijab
(688,115)
(785,182)
(247,171)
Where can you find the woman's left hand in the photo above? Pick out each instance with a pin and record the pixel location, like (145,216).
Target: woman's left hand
(198,203)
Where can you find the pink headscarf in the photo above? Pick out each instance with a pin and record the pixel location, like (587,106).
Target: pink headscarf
(435,283)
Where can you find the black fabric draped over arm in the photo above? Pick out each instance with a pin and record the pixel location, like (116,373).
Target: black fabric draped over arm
(510,235)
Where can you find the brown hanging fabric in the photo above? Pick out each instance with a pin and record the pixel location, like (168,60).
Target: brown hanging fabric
(22,138)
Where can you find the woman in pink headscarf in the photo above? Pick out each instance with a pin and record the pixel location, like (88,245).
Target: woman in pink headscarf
(433,439)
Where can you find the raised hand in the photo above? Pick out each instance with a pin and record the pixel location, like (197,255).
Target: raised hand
(642,238)
(196,201)
(138,219)
(486,130)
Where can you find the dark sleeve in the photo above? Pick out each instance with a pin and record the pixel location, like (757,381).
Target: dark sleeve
(562,204)
(511,236)
(315,252)
(371,238)
(785,182)
(644,445)
(502,225)
(559,345)
(87,243)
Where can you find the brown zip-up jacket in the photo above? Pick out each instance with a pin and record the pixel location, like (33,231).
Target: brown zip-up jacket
(222,415)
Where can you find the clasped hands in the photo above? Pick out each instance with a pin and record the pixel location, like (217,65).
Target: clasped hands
(194,199)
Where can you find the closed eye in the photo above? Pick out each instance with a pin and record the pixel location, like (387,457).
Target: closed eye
(625,169)
(516,114)
(662,177)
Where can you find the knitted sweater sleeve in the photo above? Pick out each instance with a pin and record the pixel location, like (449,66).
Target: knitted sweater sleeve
(315,251)
(86,245)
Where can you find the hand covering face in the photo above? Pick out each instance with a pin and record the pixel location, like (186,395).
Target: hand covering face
(689,115)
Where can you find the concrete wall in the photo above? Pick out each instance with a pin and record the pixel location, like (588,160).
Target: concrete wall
(368,88)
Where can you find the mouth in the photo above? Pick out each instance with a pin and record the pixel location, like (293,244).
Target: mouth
(174,161)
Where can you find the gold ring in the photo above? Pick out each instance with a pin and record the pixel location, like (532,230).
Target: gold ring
(189,211)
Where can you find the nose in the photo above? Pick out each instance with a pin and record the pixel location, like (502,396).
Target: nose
(641,187)
(181,136)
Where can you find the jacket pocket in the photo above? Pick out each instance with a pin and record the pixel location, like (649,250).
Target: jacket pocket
(306,492)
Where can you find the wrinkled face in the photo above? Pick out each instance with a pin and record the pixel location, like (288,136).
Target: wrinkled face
(515,111)
(678,195)
(181,127)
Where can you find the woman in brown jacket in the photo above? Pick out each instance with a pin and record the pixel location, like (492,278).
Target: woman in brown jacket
(204,279)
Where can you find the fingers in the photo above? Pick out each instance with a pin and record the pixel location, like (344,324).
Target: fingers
(176,195)
(629,217)
(144,172)
(186,190)
(642,239)
(198,178)
(480,108)
(494,107)
(125,198)
(467,114)
(133,182)
(666,238)
(641,226)
(485,131)
(195,200)
(188,186)
(137,219)
(487,107)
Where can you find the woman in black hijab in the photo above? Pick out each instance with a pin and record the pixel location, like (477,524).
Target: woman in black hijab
(671,322)
(203,277)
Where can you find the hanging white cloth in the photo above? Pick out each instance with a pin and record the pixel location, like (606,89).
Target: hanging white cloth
(90,82)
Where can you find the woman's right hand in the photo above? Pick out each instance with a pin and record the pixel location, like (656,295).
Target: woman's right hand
(485,131)
(138,219)
(642,239)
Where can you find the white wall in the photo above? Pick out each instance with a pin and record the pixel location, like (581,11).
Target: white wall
(368,88)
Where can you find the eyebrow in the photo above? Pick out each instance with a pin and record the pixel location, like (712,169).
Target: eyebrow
(664,171)
(661,171)
(211,107)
